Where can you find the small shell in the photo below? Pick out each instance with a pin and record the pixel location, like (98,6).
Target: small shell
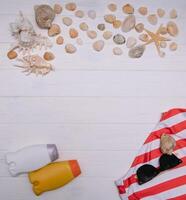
(160,12)
(79,13)
(131,42)
(119,39)
(73,33)
(54,30)
(163,44)
(117,24)
(91,34)
(128,9)
(173,14)
(98,45)
(163,30)
(143,10)
(101,27)
(167,144)
(12,54)
(152,19)
(60,40)
(92,14)
(162,54)
(173,46)
(139,27)
(83,26)
(137,51)
(144,37)
(48,56)
(112,7)
(70,48)
(117,51)
(172,29)
(129,23)
(71,6)
(67,21)
(79,41)
(107,35)
(58,8)
(110,18)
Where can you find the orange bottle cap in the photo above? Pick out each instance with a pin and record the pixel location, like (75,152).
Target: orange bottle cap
(74,165)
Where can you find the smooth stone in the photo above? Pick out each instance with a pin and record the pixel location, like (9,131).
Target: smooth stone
(163,44)
(79,41)
(54,30)
(70,48)
(58,8)
(173,14)
(144,37)
(137,51)
(107,35)
(131,42)
(128,23)
(160,12)
(92,14)
(67,21)
(91,34)
(60,40)
(117,24)
(83,26)
(73,33)
(143,10)
(119,39)
(48,56)
(71,6)
(128,9)
(172,29)
(98,45)
(173,46)
(112,7)
(101,27)
(79,13)
(117,51)
(139,27)
(110,18)
(152,19)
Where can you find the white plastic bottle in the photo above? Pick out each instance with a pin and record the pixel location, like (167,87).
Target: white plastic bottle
(31,158)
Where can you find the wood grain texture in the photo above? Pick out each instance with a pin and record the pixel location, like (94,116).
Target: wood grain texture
(97,108)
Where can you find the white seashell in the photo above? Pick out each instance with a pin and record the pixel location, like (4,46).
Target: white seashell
(167,144)
(70,48)
(128,23)
(98,45)
(107,35)
(67,21)
(91,34)
(131,42)
(137,51)
(110,18)
(152,19)
(92,14)
(117,51)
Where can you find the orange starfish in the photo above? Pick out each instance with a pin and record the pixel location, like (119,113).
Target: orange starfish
(157,39)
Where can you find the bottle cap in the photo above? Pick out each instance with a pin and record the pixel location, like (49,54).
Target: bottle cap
(74,165)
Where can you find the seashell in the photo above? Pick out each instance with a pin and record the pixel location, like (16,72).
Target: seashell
(117,24)
(91,34)
(54,30)
(101,27)
(79,13)
(58,8)
(160,12)
(110,18)
(131,42)
(60,40)
(173,46)
(79,41)
(137,51)
(44,16)
(144,37)
(98,45)
(167,144)
(163,30)
(139,27)
(172,29)
(67,21)
(73,33)
(70,48)
(128,9)
(48,56)
(92,14)
(152,19)
(143,10)
(173,14)
(107,35)
(70,6)
(117,51)
(83,26)
(163,44)
(11,54)
(112,7)
(128,23)
(162,54)
(119,39)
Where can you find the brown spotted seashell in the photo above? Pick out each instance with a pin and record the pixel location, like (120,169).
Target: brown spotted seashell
(54,30)
(167,144)
(117,24)
(71,6)
(73,33)
(128,9)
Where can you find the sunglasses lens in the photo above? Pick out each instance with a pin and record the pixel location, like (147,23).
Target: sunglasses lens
(145,173)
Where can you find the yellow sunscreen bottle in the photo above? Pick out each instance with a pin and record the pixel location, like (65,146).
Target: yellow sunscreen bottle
(54,175)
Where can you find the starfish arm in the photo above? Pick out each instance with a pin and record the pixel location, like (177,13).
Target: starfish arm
(149,42)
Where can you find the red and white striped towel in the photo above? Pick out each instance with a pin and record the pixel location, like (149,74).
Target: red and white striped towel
(170,184)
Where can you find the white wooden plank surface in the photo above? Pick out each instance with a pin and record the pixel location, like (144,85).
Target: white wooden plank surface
(97,108)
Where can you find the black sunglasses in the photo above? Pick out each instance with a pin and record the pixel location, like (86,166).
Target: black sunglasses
(147,172)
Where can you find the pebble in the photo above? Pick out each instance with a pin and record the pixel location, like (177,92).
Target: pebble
(162,54)
(117,51)
(119,39)
(143,10)
(128,9)
(58,8)
(67,21)
(163,44)
(101,27)
(152,19)
(116,23)
(92,14)
(173,46)
(163,30)
(48,56)
(160,12)
(73,33)
(54,30)
(128,23)
(79,13)
(12,54)
(70,48)
(131,42)
(139,27)
(107,35)
(60,40)
(173,14)
(112,7)
(172,29)
(137,51)
(110,18)
(144,37)
(83,26)
(98,45)
(91,34)
(71,6)
(79,41)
